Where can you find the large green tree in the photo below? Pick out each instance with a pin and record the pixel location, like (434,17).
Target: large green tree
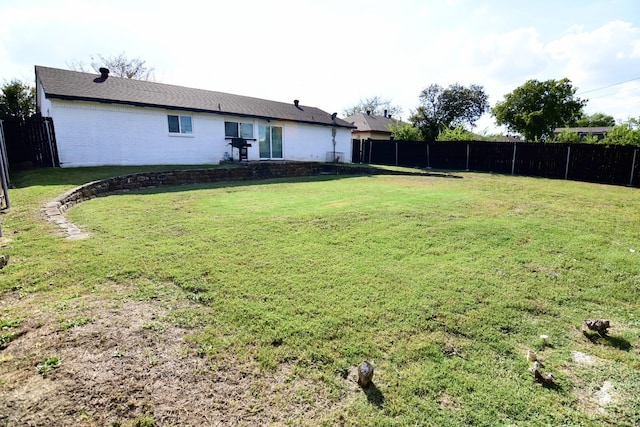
(536,108)
(17,99)
(375,105)
(445,108)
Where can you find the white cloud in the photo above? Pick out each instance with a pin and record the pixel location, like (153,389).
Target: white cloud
(606,55)
(510,57)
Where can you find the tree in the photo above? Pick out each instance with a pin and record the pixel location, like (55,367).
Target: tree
(442,108)
(458,133)
(405,131)
(118,65)
(627,133)
(594,120)
(375,106)
(17,99)
(536,108)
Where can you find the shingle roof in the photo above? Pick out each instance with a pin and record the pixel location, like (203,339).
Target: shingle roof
(74,85)
(370,122)
(595,129)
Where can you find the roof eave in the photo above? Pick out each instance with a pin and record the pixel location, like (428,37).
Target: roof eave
(195,110)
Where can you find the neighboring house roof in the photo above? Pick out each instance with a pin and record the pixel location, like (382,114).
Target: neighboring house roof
(79,86)
(371,123)
(586,130)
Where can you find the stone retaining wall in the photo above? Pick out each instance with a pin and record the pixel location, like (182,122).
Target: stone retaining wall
(55,209)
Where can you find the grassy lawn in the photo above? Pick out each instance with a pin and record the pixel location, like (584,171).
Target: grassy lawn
(279,289)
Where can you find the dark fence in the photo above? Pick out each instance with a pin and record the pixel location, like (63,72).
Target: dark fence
(31,142)
(608,164)
(4,173)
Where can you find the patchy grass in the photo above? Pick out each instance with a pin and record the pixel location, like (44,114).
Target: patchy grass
(47,365)
(270,293)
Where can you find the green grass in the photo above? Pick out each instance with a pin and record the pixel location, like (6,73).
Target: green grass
(47,365)
(441,283)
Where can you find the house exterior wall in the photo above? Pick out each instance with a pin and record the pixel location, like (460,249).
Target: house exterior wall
(304,142)
(97,134)
(371,135)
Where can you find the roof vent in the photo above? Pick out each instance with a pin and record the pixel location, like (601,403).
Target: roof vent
(385,113)
(368,112)
(296,102)
(333,116)
(104,74)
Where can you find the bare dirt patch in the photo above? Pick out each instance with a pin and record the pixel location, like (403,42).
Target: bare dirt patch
(123,360)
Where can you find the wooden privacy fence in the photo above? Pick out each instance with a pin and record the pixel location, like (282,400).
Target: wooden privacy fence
(31,142)
(608,164)
(4,173)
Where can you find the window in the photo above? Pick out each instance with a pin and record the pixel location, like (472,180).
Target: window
(238,130)
(180,124)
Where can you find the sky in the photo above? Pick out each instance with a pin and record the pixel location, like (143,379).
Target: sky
(331,54)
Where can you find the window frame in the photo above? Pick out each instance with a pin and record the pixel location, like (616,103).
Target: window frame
(181,125)
(239,131)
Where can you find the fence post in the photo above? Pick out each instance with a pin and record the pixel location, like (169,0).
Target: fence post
(48,130)
(633,166)
(428,157)
(4,171)
(513,161)
(566,169)
(396,153)
(467,156)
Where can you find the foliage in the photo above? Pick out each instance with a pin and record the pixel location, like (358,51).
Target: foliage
(595,120)
(375,105)
(571,137)
(119,65)
(454,106)
(17,99)
(536,108)
(458,133)
(627,133)
(567,136)
(405,131)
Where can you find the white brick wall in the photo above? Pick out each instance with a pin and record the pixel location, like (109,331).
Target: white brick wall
(96,134)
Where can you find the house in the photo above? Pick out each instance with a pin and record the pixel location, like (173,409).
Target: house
(105,120)
(599,131)
(370,126)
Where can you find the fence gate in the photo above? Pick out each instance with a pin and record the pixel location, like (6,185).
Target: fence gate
(31,142)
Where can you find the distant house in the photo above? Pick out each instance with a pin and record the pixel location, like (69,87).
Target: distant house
(370,126)
(104,120)
(598,132)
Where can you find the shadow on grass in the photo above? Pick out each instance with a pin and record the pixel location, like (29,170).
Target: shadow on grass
(374,395)
(552,386)
(613,341)
(83,175)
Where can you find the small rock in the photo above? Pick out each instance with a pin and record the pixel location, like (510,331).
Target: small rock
(599,325)
(365,374)
(531,356)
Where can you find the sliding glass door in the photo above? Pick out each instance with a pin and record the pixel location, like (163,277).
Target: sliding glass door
(270,142)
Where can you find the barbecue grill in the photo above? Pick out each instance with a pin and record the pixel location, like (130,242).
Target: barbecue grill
(242,145)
